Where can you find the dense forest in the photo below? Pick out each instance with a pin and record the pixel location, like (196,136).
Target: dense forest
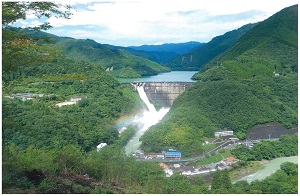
(52,149)
(237,90)
(284,147)
(196,58)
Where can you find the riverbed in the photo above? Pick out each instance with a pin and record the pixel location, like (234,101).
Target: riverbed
(269,168)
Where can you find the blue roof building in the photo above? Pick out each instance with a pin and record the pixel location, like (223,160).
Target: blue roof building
(172,154)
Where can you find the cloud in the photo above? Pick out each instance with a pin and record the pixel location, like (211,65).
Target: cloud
(153,21)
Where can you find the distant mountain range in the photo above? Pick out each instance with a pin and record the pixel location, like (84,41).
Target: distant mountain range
(156,56)
(178,48)
(164,52)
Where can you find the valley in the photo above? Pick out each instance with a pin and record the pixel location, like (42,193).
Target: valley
(79,116)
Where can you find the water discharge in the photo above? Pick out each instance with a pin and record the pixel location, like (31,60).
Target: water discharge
(143,96)
(144,121)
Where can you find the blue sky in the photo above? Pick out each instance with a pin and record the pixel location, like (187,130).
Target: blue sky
(138,22)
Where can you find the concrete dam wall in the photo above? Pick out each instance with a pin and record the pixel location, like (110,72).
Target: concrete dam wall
(163,93)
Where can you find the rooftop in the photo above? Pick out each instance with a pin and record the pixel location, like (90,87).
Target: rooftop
(172,153)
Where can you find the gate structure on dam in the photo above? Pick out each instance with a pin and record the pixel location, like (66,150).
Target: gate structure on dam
(163,93)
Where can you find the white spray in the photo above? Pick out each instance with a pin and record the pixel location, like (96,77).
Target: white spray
(148,118)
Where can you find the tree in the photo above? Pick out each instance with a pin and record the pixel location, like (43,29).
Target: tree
(289,168)
(221,182)
(13,11)
(18,50)
(69,159)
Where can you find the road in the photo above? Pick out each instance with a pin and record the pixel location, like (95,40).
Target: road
(225,144)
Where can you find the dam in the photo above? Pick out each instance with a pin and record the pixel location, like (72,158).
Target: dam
(163,93)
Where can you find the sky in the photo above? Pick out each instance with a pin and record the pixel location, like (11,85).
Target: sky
(153,22)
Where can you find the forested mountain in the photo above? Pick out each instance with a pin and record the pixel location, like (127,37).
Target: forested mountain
(120,62)
(271,45)
(156,56)
(178,48)
(249,84)
(199,56)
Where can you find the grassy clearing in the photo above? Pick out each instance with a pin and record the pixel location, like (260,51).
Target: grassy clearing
(214,158)
(208,147)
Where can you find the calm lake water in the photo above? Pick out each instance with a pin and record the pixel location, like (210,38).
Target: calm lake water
(269,168)
(173,76)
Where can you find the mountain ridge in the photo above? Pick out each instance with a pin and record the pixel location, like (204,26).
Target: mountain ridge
(199,56)
(178,48)
(120,62)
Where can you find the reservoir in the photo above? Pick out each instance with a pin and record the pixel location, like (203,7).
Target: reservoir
(269,168)
(173,76)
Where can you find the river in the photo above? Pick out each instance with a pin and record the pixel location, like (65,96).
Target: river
(269,168)
(149,117)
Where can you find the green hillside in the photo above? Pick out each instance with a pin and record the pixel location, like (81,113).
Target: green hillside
(196,58)
(272,46)
(238,89)
(121,63)
(39,122)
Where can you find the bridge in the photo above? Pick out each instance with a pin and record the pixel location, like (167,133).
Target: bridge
(163,93)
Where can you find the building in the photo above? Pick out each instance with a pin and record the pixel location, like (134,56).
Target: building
(167,170)
(100,146)
(223,133)
(156,155)
(77,98)
(249,144)
(230,160)
(139,154)
(172,154)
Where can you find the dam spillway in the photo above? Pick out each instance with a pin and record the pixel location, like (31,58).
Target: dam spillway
(163,93)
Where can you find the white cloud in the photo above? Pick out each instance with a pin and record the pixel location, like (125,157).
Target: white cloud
(172,20)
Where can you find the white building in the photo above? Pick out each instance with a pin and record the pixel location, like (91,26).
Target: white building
(100,146)
(168,172)
(223,133)
(78,98)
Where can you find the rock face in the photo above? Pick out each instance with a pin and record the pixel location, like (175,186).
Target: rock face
(163,93)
